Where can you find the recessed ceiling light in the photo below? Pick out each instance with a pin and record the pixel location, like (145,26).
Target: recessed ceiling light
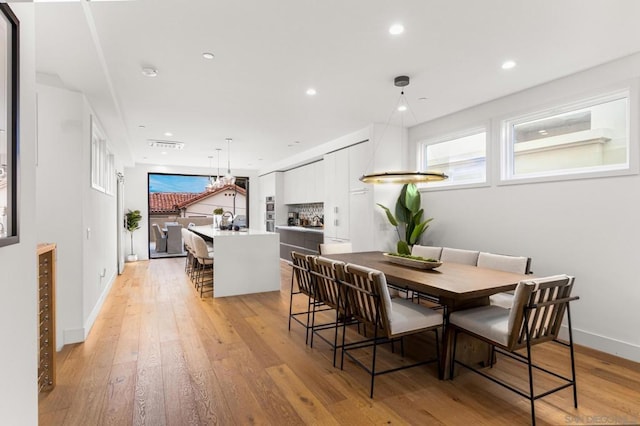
(142,126)
(507,65)
(402,108)
(164,152)
(311,91)
(149,72)
(396,29)
(422,98)
(208,55)
(168,134)
(296,141)
(543,132)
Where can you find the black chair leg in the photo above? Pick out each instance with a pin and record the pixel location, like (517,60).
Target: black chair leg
(573,362)
(453,354)
(291,302)
(373,366)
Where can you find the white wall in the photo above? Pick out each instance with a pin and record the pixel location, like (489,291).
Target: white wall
(18,280)
(99,232)
(59,197)
(79,219)
(136,198)
(588,228)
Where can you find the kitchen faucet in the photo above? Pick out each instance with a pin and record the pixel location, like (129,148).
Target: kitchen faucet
(225,219)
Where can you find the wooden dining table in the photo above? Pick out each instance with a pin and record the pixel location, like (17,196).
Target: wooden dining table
(455,285)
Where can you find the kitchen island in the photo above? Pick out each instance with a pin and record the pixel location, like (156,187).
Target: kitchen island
(300,239)
(244,262)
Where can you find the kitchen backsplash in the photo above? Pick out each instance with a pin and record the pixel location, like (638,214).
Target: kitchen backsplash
(308,211)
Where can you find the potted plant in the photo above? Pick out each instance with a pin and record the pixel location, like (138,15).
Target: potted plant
(131,223)
(408,218)
(217,215)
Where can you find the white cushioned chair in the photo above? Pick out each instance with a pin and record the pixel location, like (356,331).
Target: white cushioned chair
(499,262)
(335,248)
(535,317)
(428,252)
(204,266)
(465,257)
(368,300)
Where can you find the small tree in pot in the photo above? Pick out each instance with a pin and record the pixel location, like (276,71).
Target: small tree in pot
(408,218)
(131,223)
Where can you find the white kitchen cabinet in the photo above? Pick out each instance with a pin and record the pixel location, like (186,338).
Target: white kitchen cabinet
(360,162)
(304,184)
(336,199)
(349,206)
(361,208)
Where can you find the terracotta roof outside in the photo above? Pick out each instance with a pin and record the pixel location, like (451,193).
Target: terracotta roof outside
(207,194)
(167,202)
(172,202)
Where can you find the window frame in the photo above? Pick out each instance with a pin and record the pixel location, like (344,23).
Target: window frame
(450,136)
(102,160)
(505,173)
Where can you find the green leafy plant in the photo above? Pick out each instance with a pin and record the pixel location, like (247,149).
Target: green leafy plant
(132,222)
(408,218)
(218,211)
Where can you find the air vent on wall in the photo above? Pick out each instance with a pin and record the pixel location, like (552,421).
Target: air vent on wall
(155,143)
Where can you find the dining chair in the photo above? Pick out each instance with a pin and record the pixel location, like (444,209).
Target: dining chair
(428,252)
(328,273)
(303,283)
(204,266)
(499,262)
(186,239)
(335,248)
(174,239)
(466,257)
(161,239)
(535,317)
(368,300)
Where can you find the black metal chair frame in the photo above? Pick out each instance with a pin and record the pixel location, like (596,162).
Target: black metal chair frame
(377,339)
(526,359)
(335,302)
(298,272)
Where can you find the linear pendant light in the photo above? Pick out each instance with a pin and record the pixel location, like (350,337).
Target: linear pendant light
(402,176)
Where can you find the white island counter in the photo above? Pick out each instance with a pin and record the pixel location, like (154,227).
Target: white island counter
(244,262)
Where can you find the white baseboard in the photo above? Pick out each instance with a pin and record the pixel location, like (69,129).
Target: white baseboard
(605,344)
(88,324)
(78,335)
(71,335)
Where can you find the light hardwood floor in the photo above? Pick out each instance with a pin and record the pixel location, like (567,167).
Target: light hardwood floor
(158,354)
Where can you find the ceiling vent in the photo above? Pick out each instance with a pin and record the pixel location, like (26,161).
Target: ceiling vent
(156,143)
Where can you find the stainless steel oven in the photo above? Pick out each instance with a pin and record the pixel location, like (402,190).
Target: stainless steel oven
(270,214)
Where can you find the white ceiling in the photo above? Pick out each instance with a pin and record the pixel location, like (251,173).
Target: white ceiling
(267,53)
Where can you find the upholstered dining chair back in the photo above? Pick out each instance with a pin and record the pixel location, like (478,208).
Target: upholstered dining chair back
(200,250)
(186,238)
(327,274)
(466,257)
(161,240)
(428,252)
(538,309)
(335,248)
(301,264)
(516,264)
(174,239)
(367,295)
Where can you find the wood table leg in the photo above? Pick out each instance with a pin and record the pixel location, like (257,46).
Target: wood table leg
(468,349)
